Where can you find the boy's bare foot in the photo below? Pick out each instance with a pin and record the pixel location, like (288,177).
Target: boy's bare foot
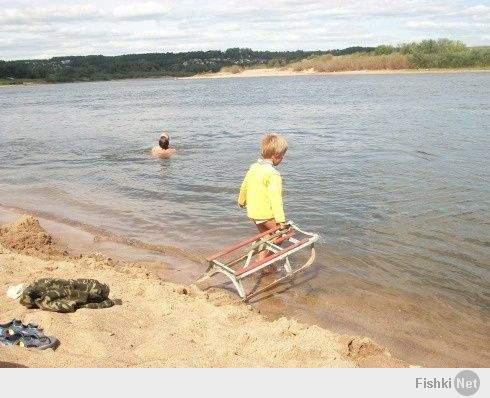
(269,270)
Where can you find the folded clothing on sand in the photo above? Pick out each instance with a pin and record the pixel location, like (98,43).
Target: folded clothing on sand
(29,336)
(66,295)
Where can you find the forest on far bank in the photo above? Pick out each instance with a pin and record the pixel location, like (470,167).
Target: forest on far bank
(100,67)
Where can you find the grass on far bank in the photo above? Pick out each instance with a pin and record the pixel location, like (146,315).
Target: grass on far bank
(427,54)
(234,69)
(16,82)
(329,63)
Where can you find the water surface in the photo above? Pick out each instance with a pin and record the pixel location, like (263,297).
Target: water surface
(391,170)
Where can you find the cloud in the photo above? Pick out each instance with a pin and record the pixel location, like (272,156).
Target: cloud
(332,8)
(137,11)
(158,35)
(478,13)
(26,16)
(113,27)
(452,25)
(36,29)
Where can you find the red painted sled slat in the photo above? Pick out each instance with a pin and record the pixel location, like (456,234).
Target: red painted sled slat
(241,244)
(257,264)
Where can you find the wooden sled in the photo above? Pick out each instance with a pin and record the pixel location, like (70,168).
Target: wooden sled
(280,244)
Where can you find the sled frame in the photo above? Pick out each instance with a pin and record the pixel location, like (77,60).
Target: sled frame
(279,256)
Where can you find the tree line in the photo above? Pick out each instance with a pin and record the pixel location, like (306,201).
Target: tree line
(100,67)
(441,53)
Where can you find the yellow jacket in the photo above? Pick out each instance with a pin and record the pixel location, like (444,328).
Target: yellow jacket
(261,192)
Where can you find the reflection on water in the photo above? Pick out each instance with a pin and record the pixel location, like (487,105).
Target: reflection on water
(391,171)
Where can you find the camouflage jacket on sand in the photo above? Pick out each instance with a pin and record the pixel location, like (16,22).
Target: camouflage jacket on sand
(66,295)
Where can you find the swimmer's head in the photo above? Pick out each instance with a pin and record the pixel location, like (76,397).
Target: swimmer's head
(164,141)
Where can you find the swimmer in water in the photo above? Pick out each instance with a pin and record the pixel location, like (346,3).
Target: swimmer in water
(163,149)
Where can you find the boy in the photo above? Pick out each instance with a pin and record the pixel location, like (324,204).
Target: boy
(261,189)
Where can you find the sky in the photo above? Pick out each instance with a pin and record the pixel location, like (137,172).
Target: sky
(47,28)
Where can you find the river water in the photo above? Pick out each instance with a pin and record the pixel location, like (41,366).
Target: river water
(391,170)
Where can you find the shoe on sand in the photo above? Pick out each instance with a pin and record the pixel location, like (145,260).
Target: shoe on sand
(16,326)
(29,336)
(40,342)
(9,339)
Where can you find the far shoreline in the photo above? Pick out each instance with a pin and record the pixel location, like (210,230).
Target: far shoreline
(274,72)
(264,72)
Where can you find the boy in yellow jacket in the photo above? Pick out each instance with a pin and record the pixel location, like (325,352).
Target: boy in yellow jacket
(261,190)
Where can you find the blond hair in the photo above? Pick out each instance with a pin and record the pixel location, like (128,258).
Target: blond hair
(272,144)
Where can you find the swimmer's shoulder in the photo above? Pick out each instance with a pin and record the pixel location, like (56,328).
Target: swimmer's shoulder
(166,153)
(162,153)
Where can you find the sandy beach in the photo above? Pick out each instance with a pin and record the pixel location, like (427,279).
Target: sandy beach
(262,72)
(265,72)
(158,324)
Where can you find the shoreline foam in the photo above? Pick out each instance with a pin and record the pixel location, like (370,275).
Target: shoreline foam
(160,324)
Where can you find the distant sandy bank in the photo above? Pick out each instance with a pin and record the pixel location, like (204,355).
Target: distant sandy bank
(159,324)
(287,72)
(32,82)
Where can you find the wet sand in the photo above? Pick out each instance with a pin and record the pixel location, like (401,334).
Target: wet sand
(158,324)
(262,72)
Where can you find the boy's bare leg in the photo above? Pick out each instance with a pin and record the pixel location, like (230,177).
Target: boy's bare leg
(265,226)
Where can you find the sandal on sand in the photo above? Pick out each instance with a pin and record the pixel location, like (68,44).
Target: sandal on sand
(40,342)
(30,335)
(16,326)
(9,339)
